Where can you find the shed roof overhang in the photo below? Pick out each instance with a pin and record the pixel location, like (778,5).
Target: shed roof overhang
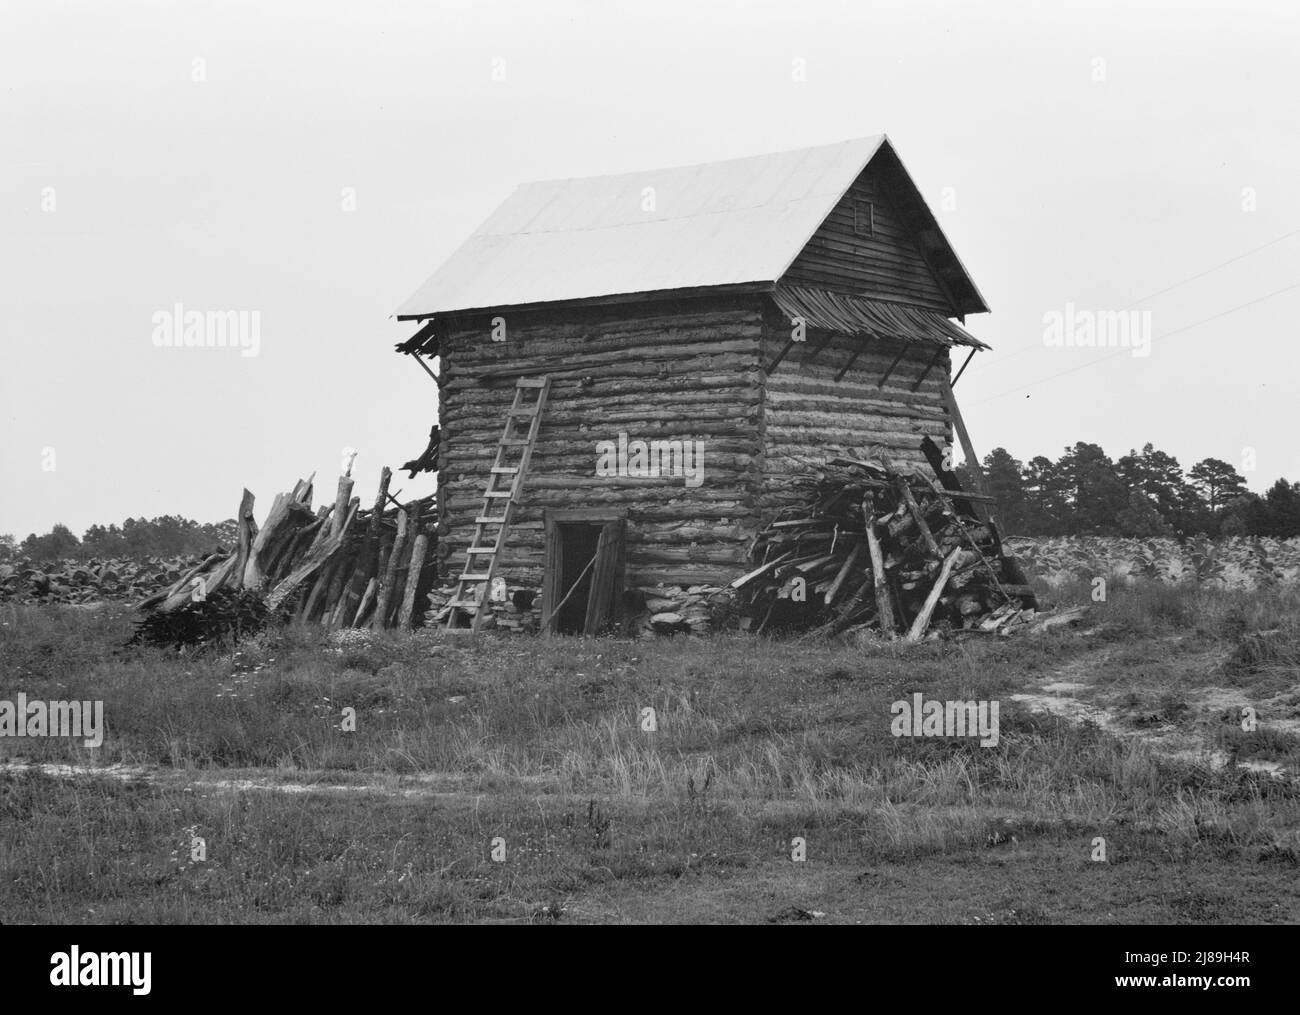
(857,315)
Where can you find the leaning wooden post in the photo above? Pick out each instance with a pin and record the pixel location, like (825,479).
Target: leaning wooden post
(923,618)
(366,563)
(335,596)
(367,601)
(247,527)
(384,606)
(413,580)
(985,514)
(315,599)
(403,565)
(884,608)
(341,500)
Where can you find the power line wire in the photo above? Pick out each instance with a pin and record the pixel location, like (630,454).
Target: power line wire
(1183,282)
(1167,334)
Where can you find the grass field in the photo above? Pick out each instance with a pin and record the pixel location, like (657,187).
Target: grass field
(1128,730)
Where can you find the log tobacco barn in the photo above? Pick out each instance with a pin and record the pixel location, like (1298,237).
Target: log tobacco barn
(756,312)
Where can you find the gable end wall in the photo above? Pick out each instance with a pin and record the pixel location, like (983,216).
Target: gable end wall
(885,266)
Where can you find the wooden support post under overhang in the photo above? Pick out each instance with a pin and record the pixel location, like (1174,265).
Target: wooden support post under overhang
(968,449)
(817,349)
(852,359)
(965,363)
(897,359)
(938,354)
(780,356)
(428,370)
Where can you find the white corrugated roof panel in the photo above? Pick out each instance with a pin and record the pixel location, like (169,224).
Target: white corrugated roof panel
(718,223)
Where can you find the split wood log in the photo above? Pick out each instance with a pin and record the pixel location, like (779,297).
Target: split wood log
(315,560)
(315,604)
(884,609)
(341,500)
(294,550)
(413,510)
(413,580)
(1063,619)
(843,574)
(367,560)
(247,533)
(288,515)
(202,567)
(851,611)
(923,618)
(951,511)
(307,589)
(905,491)
(385,551)
(367,603)
(384,606)
(212,579)
(333,612)
(744,580)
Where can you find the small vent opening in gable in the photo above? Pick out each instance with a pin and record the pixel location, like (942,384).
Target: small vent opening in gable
(864,218)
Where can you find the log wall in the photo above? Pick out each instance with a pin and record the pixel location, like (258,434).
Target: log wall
(806,411)
(686,370)
(682,370)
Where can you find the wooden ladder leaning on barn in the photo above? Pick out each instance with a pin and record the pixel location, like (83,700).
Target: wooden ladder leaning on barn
(484,549)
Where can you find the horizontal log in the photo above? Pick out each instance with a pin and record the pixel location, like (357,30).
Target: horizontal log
(682,575)
(613,397)
(723,369)
(542,355)
(561,417)
(579,471)
(625,320)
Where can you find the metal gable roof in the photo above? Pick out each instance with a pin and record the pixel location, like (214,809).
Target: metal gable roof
(742,221)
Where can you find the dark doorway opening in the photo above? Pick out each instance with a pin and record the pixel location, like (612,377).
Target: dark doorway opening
(580,541)
(583,582)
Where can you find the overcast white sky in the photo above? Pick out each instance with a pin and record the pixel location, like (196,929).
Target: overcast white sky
(227,194)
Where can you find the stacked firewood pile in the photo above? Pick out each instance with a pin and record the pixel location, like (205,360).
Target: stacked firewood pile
(886,548)
(339,565)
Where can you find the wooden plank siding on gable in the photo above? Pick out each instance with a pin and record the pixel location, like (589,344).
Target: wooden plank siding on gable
(886,265)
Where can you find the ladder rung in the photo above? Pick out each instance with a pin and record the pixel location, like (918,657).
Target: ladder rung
(462,604)
(482,549)
(485,520)
(513,442)
(505,470)
(530,382)
(498,493)
(467,577)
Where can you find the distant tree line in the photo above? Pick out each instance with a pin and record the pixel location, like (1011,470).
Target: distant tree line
(135,539)
(1144,493)
(1084,492)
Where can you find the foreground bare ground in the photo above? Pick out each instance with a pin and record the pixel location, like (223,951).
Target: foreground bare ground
(1128,731)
